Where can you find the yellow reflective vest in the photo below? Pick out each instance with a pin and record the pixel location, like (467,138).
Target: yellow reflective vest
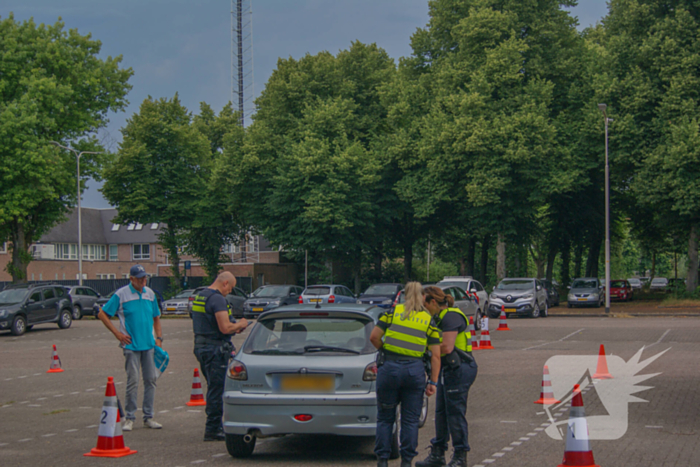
(464,339)
(411,336)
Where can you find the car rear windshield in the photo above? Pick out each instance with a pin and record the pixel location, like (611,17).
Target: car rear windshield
(271,291)
(12,296)
(381,290)
(317,291)
(660,280)
(516,285)
(461,285)
(311,336)
(618,284)
(582,284)
(634,281)
(184,294)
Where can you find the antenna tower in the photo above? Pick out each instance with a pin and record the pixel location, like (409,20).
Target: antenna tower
(242,91)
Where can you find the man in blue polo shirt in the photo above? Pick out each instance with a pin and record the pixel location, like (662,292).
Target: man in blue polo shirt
(139,318)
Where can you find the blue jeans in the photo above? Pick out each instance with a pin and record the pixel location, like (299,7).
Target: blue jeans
(451,406)
(213,363)
(399,382)
(135,361)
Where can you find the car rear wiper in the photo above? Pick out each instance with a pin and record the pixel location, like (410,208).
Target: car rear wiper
(326,348)
(278,352)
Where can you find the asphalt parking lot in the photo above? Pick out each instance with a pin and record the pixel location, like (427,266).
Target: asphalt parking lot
(51,419)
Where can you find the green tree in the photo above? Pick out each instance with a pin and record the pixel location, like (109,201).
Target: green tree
(160,172)
(53,87)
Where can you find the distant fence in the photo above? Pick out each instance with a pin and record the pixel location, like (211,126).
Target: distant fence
(160,283)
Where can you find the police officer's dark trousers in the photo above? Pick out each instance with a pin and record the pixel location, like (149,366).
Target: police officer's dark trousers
(213,363)
(451,406)
(399,382)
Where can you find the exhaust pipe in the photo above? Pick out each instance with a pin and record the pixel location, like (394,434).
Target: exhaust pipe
(248,438)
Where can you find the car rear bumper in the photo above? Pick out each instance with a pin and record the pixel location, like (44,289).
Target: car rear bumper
(273,414)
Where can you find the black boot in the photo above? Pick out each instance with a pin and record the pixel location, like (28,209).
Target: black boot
(436,458)
(382,462)
(406,462)
(459,459)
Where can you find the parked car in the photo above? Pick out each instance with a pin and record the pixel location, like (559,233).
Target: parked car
(83,299)
(382,295)
(235,300)
(621,290)
(645,281)
(519,297)
(473,287)
(586,291)
(304,370)
(659,284)
(635,283)
(24,306)
(464,302)
(100,303)
(268,297)
(552,292)
(330,293)
(178,304)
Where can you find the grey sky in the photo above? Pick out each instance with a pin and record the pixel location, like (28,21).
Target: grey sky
(184,46)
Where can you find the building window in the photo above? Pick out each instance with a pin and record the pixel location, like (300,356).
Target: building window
(125,276)
(94,252)
(139,226)
(115,227)
(154,226)
(142,251)
(106,276)
(3,248)
(131,227)
(114,253)
(66,251)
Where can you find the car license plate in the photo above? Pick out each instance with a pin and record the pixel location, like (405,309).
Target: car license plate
(257,309)
(315,300)
(170,308)
(582,299)
(510,310)
(307,383)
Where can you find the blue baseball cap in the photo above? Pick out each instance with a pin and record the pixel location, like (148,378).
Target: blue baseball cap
(137,271)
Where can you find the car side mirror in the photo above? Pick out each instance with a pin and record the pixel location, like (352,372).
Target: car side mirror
(539,287)
(568,287)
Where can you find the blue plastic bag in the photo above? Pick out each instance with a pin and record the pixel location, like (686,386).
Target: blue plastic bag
(161,359)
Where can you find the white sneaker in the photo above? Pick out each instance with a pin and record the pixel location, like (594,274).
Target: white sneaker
(150,423)
(128,425)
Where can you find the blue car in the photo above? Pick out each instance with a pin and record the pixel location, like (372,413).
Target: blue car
(382,295)
(330,293)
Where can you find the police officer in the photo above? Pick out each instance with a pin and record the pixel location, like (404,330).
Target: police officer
(407,333)
(458,372)
(212,346)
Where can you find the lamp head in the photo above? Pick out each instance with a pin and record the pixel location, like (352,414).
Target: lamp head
(602,107)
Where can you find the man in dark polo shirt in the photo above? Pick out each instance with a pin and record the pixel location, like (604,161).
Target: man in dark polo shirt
(212,346)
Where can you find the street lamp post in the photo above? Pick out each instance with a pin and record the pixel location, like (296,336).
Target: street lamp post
(603,108)
(80,229)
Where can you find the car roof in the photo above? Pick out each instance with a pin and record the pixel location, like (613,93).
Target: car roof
(586,279)
(360,309)
(386,283)
(324,285)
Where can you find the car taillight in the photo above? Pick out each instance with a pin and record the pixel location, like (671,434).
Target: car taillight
(191,299)
(237,371)
(303,417)
(370,373)
(301,299)
(331,299)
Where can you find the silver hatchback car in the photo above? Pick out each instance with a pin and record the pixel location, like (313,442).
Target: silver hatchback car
(303,369)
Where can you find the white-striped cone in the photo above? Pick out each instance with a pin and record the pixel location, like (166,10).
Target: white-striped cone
(55,366)
(503,323)
(546,394)
(197,396)
(485,343)
(578,448)
(110,440)
(472,331)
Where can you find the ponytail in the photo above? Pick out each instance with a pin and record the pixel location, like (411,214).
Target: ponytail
(440,297)
(414,300)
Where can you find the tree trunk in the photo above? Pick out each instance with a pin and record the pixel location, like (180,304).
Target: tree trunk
(653,266)
(168,241)
(407,248)
(501,257)
(358,271)
(593,258)
(516,261)
(578,261)
(484,259)
(551,256)
(565,265)
(471,251)
(692,280)
(20,240)
(462,266)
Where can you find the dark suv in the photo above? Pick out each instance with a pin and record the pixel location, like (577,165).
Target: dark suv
(22,306)
(83,298)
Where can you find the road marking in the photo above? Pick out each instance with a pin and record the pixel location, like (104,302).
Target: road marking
(220,455)
(9,379)
(539,429)
(25,440)
(34,405)
(91,389)
(71,430)
(58,395)
(508,421)
(660,339)
(654,427)
(507,448)
(198,461)
(41,399)
(48,435)
(20,377)
(531,434)
(524,439)
(120,382)
(91,426)
(177,408)
(38,374)
(498,454)
(554,342)
(164,411)
(540,413)
(76,392)
(516,443)
(489,461)
(3,444)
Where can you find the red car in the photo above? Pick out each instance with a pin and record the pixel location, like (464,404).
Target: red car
(621,290)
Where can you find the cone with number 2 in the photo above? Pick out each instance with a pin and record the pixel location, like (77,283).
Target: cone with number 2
(110,440)
(578,449)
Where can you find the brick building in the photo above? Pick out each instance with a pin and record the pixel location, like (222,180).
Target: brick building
(109,251)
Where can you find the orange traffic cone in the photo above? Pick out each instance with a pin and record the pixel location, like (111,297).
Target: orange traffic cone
(55,366)
(503,323)
(110,441)
(472,331)
(578,449)
(485,343)
(546,394)
(197,396)
(601,371)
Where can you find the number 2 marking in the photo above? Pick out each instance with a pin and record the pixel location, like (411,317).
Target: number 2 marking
(104,417)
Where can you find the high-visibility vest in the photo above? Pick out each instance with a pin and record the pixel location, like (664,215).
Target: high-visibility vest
(205,324)
(464,339)
(409,336)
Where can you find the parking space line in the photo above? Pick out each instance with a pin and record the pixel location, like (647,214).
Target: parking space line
(220,455)
(554,342)
(660,339)
(48,435)
(507,448)
(498,454)
(24,440)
